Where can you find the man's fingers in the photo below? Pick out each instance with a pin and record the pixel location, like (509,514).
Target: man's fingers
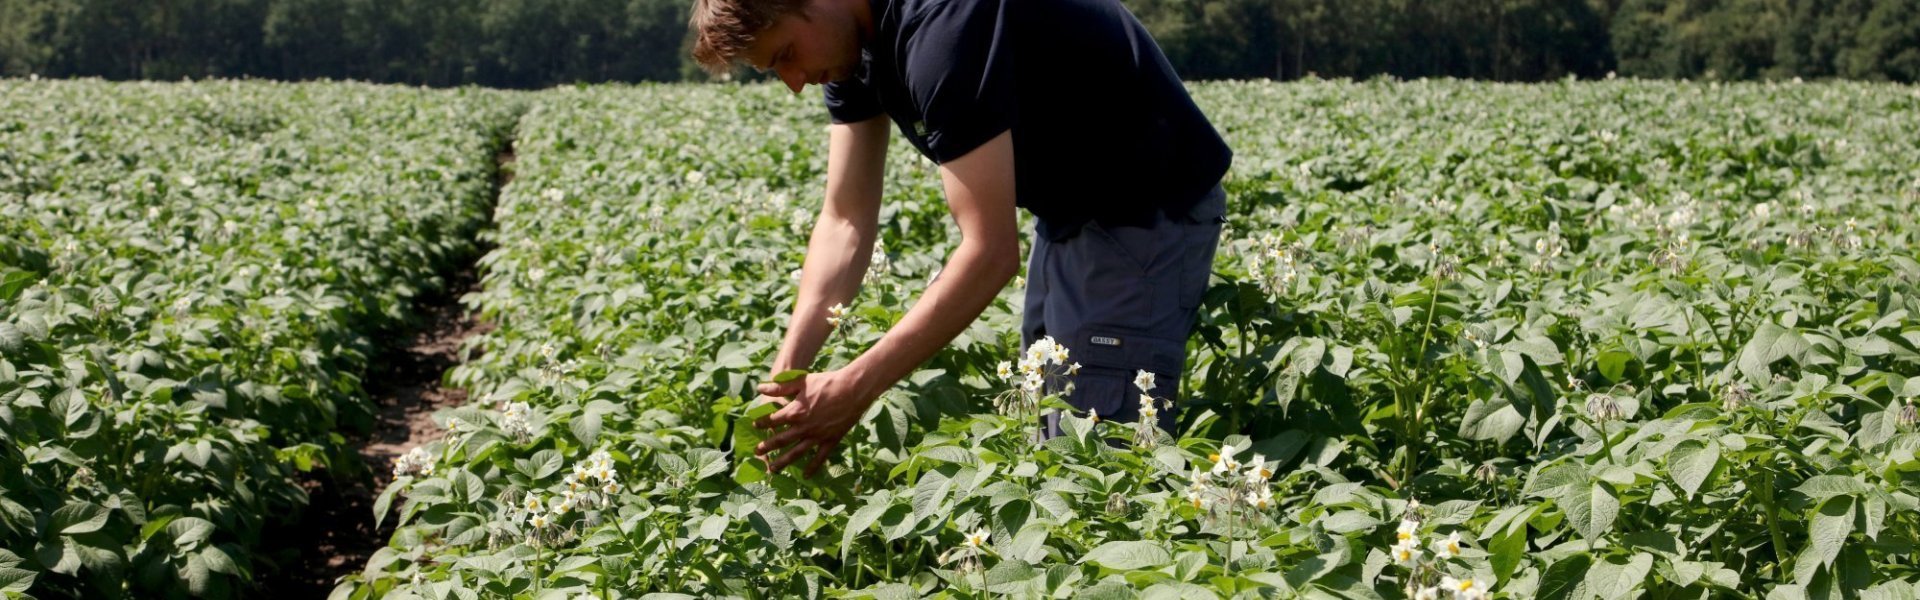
(779,441)
(788,414)
(820,458)
(794,453)
(783,390)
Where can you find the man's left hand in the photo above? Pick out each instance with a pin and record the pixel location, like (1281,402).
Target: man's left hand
(817,410)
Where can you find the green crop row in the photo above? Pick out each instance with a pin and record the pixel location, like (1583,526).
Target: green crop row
(192,277)
(1581,342)
(1578,340)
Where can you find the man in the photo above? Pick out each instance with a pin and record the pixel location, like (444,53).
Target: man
(1064,107)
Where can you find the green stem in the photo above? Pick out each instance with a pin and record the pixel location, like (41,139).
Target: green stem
(1409,416)
(1773,520)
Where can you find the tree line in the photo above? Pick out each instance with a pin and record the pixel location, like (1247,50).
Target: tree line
(540,43)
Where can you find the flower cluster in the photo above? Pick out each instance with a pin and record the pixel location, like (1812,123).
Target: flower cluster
(1274,265)
(1228,485)
(416,460)
(590,486)
(879,264)
(516,419)
(1407,552)
(1146,428)
(1042,366)
(836,315)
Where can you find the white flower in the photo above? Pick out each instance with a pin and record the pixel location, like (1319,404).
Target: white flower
(978,538)
(1261,498)
(1005,370)
(539,521)
(1257,471)
(1223,463)
(534,505)
(1198,496)
(1464,589)
(1143,380)
(1407,552)
(1427,593)
(1073,369)
(553,195)
(1449,548)
(1408,530)
(696,177)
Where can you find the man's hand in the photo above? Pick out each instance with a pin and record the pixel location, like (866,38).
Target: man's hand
(817,410)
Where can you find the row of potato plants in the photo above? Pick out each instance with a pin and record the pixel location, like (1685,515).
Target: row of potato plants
(193,277)
(1574,340)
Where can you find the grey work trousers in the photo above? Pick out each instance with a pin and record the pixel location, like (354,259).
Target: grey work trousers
(1123,299)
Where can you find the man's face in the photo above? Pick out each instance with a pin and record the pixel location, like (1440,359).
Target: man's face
(819,44)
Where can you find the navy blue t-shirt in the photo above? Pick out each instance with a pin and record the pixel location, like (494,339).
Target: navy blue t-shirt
(1102,127)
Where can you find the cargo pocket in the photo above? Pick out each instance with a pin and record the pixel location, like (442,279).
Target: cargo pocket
(1110,359)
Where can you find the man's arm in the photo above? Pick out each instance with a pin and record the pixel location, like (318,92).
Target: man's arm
(842,241)
(825,406)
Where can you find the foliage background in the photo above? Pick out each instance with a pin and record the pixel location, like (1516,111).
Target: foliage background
(540,43)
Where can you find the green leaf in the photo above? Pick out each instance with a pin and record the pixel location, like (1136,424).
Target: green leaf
(858,524)
(1822,487)
(747,468)
(79,517)
(1615,578)
(1128,555)
(1493,420)
(787,375)
(714,526)
(1553,481)
(189,532)
(1566,579)
(384,504)
(1613,364)
(1591,509)
(773,525)
(57,554)
(15,580)
(586,426)
(1829,528)
(1770,343)
(1692,463)
(543,464)
(1505,551)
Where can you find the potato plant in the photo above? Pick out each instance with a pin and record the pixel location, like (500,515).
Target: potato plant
(192,277)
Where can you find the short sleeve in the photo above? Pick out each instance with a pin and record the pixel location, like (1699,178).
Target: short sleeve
(851,100)
(959,72)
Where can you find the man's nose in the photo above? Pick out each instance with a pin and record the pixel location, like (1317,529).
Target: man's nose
(793,77)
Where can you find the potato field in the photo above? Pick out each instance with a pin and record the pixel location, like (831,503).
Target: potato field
(1585,339)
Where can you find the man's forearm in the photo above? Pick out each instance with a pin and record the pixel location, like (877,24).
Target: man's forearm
(972,277)
(837,257)
(842,240)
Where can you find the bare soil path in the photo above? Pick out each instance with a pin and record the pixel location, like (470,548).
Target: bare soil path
(335,535)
